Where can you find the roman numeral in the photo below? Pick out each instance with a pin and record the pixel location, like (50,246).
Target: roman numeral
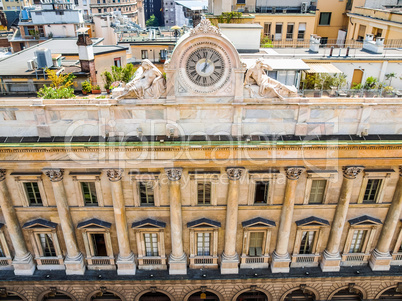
(204,54)
(218,67)
(193,73)
(204,80)
(198,55)
(217,60)
(198,78)
(216,73)
(191,67)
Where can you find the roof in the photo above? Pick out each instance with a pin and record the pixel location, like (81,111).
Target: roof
(193,5)
(40,223)
(148,223)
(281,64)
(94,222)
(365,220)
(203,222)
(16,64)
(323,68)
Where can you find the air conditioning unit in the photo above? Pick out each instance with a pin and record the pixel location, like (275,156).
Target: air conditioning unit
(304,7)
(31,64)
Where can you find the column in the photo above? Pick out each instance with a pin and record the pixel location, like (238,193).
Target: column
(332,259)
(381,258)
(74,261)
(23,262)
(125,260)
(281,258)
(230,258)
(177,259)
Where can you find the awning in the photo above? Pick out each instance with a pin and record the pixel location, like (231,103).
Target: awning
(302,26)
(322,68)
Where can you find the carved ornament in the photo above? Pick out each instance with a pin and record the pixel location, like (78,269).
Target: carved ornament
(293,173)
(234,173)
(351,172)
(205,27)
(55,175)
(174,174)
(114,175)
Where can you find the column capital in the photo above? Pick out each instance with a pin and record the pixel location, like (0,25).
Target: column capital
(234,173)
(55,175)
(293,173)
(174,173)
(115,174)
(2,174)
(351,172)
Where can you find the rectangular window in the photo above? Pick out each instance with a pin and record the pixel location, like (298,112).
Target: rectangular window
(146,193)
(267,29)
(317,191)
(290,29)
(301,31)
(99,244)
(204,193)
(2,254)
(144,54)
(255,247)
(203,244)
(47,245)
(117,61)
(261,192)
(89,193)
(325,19)
(372,189)
(362,33)
(151,244)
(278,31)
(358,241)
(306,245)
(33,194)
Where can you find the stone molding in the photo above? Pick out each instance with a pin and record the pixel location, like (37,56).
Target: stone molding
(205,27)
(2,174)
(293,173)
(114,175)
(55,175)
(351,172)
(174,174)
(234,173)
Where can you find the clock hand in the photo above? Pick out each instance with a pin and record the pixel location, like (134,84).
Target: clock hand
(205,67)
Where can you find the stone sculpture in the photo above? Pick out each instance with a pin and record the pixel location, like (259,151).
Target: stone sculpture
(148,82)
(268,87)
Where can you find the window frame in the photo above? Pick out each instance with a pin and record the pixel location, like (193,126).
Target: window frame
(396,252)
(21,178)
(372,174)
(87,177)
(6,251)
(153,177)
(312,175)
(261,176)
(329,19)
(195,178)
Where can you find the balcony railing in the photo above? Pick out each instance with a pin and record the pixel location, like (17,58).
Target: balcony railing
(5,262)
(352,259)
(101,263)
(152,263)
(203,261)
(396,259)
(350,93)
(254,261)
(305,260)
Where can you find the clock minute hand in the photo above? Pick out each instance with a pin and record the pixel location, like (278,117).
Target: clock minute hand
(205,67)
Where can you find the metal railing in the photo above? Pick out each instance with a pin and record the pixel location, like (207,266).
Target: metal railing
(151,261)
(204,260)
(305,258)
(350,93)
(255,260)
(49,261)
(355,258)
(100,261)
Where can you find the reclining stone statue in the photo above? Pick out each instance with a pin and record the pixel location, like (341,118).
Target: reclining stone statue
(148,82)
(268,87)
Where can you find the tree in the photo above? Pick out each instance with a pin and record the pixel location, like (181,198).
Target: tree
(152,21)
(60,86)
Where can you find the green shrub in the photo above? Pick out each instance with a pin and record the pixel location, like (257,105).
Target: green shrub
(86,86)
(107,78)
(56,93)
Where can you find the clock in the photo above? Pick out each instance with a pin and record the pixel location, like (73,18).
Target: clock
(205,67)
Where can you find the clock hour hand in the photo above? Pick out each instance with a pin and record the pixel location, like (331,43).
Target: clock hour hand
(205,67)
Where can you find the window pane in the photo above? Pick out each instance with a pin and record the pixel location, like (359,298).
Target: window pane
(358,241)
(46,241)
(151,244)
(203,244)
(261,192)
(2,251)
(372,189)
(317,191)
(255,245)
(325,19)
(146,190)
(89,193)
(33,194)
(99,244)
(306,245)
(204,193)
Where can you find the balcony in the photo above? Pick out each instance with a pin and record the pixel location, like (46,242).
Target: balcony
(305,260)
(101,263)
(397,259)
(355,259)
(50,263)
(6,263)
(254,262)
(206,262)
(152,263)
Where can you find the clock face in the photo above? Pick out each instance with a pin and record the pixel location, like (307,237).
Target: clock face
(205,67)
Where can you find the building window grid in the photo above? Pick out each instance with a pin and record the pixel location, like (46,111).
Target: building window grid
(204,244)
(261,192)
(89,193)
(33,193)
(372,191)
(358,239)
(151,244)
(48,248)
(147,194)
(317,191)
(290,30)
(99,244)
(255,244)
(204,192)
(307,242)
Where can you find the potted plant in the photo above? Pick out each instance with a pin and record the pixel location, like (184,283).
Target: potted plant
(388,91)
(108,79)
(96,89)
(86,87)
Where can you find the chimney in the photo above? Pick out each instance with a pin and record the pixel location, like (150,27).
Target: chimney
(370,45)
(314,43)
(86,53)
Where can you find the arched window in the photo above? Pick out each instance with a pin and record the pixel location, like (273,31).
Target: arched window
(252,296)
(203,296)
(300,295)
(103,296)
(56,296)
(6,296)
(157,296)
(348,294)
(391,294)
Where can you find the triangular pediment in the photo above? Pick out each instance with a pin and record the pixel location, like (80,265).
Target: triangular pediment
(312,221)
(204,223)
(148,223)
(364,220)
(258,222)
(94,223)
(39,223)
